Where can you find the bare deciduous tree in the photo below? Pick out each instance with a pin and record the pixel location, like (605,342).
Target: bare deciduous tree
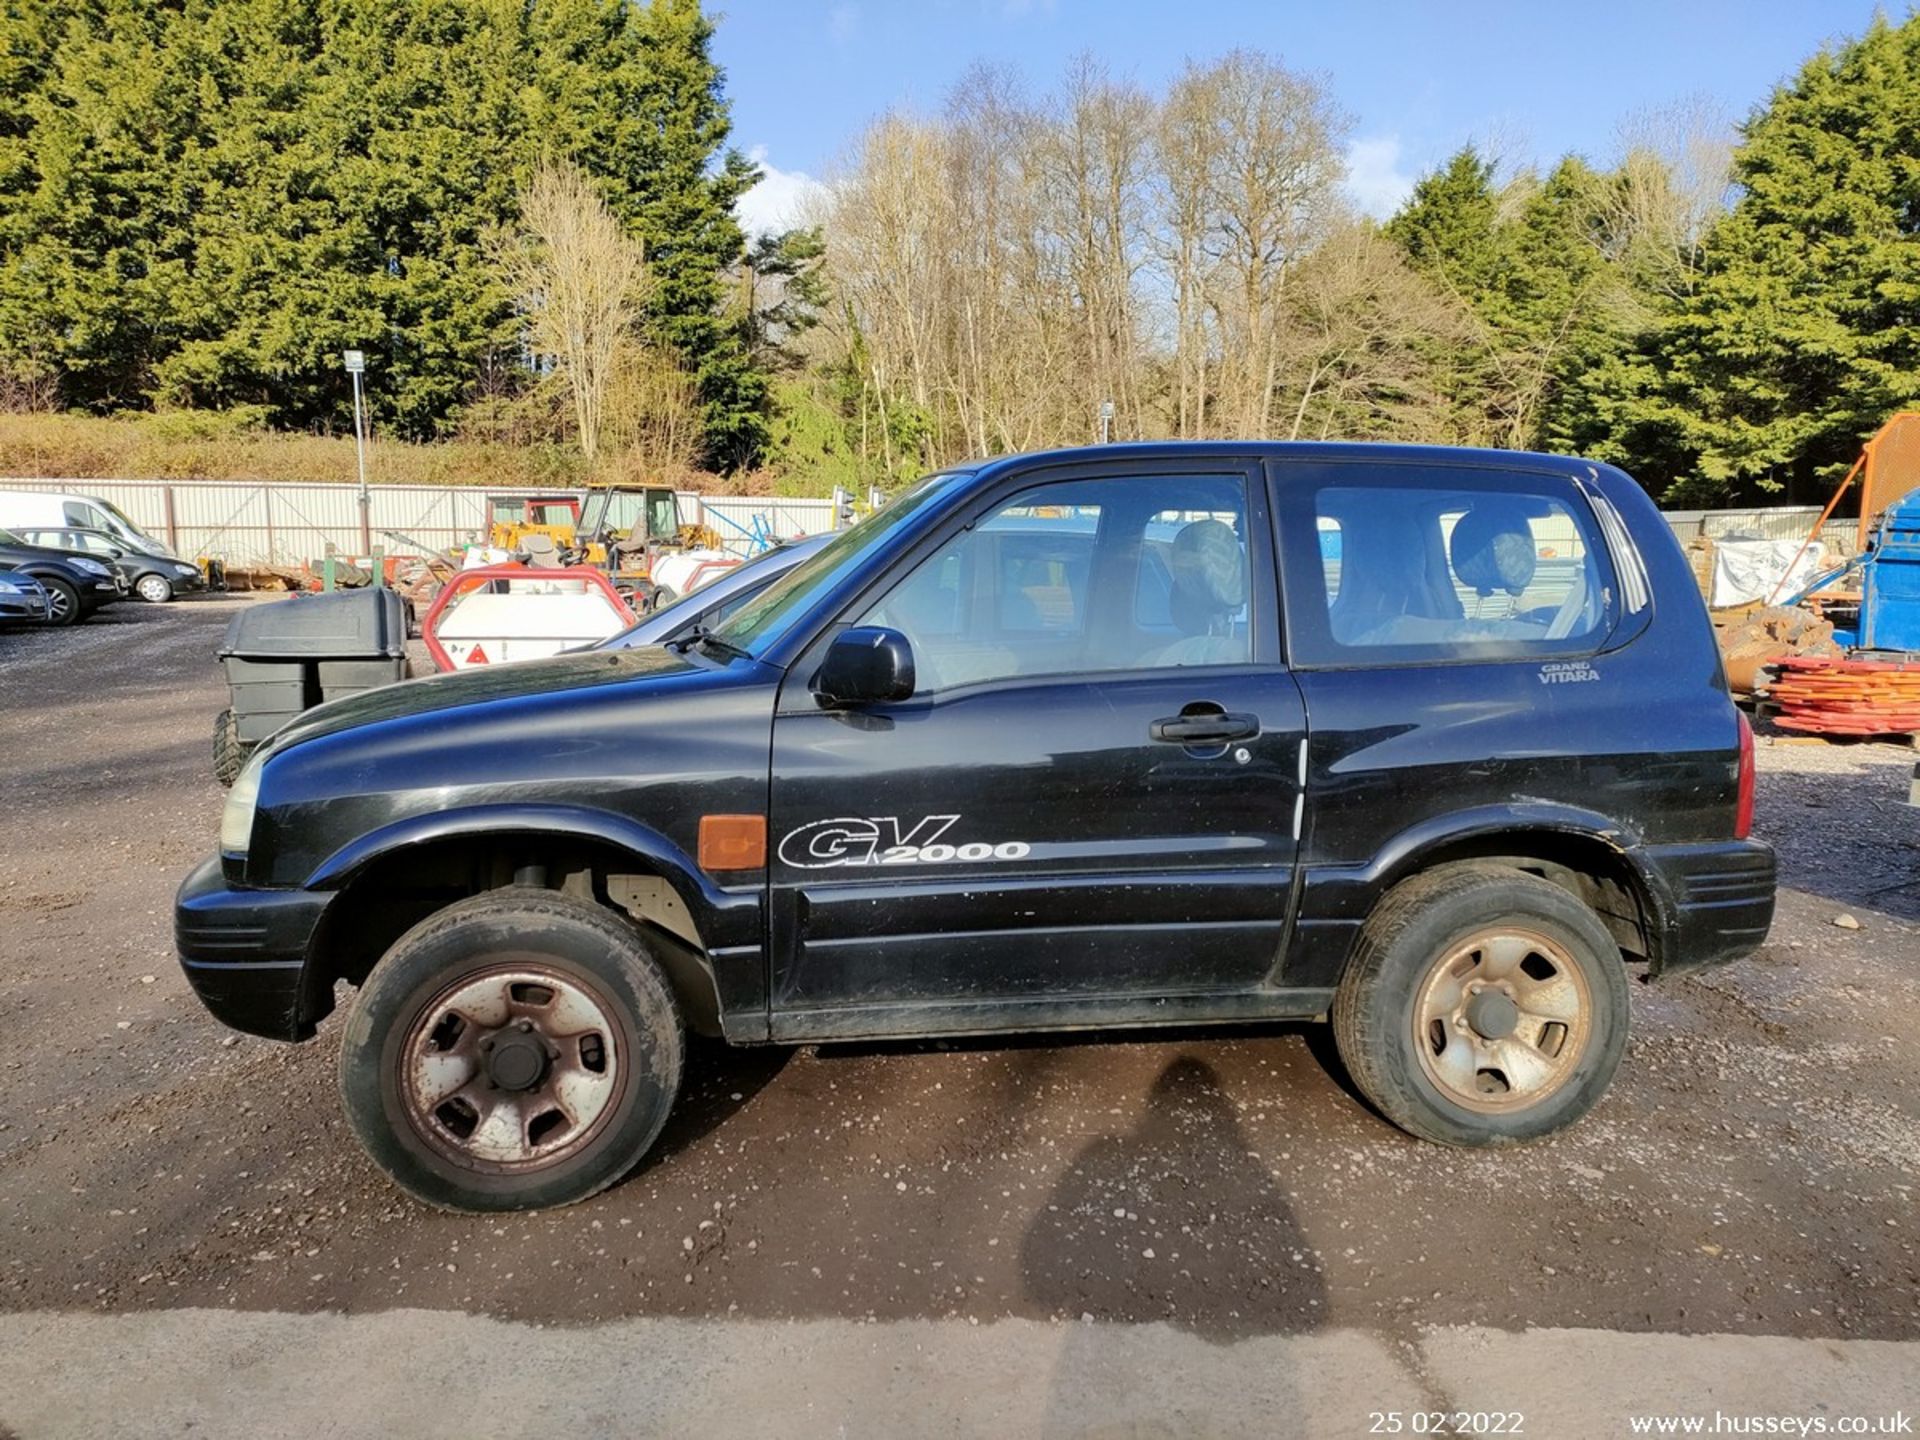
(651,412)
(1003,267)
(580,279)
(1360,333)
(1672,182)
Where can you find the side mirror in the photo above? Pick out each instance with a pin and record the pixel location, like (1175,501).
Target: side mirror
(865,664)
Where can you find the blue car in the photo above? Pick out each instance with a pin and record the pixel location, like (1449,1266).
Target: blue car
(22,597)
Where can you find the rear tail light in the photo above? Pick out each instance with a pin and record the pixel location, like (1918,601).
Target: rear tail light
(1743,806)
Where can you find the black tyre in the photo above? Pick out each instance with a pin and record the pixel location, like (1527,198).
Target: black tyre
(63,602)
(229,750)
(514,1051)
(662,596)
(1483,1006)
(154,588)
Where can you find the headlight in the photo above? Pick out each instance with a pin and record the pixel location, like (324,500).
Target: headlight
(187,569)
(236,821)
(7,587)
(92,567)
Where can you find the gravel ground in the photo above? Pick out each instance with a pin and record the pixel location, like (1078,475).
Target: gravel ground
(1752,1170)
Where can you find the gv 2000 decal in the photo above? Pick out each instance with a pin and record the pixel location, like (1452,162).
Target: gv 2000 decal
(886,840)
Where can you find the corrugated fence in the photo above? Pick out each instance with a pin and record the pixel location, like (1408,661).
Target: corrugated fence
(1783,522)
(251,522)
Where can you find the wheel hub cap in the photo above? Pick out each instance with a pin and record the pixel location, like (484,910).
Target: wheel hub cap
(511,1068)
(515,1063)
(1501,1019)
(1492,1015)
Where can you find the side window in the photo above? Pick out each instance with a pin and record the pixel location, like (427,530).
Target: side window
(1478,569)
(1083,576)
(1328,531)
(1043,579)
(79,514)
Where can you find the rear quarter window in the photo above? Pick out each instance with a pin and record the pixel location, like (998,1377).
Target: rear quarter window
(1412,565)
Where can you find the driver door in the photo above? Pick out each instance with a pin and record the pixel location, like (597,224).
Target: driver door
(1090,797)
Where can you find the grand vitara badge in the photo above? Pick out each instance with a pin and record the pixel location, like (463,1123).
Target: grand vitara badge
(1567,672)
(888,840)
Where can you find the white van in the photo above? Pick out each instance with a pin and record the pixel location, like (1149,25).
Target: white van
(27,508)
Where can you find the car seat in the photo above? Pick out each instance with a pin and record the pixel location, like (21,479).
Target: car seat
(1493,549)
(1208,564)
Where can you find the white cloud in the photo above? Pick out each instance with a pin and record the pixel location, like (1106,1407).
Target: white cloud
(1375,181)
(782,199)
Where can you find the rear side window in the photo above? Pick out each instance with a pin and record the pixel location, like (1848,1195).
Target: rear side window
(1444,565)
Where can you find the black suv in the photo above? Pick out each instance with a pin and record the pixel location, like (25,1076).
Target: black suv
(1434,743)
(76,584)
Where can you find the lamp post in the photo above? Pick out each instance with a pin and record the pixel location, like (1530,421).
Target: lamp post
(356,363)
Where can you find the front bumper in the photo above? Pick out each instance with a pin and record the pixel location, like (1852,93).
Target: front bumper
(183,584)
(1718,901)
(245,952)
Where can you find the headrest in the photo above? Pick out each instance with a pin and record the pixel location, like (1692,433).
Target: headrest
(1493,548)
(1209,569)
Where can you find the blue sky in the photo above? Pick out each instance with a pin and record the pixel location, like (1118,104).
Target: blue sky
(1419,77)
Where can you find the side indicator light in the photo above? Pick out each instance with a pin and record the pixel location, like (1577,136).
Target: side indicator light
(733,842)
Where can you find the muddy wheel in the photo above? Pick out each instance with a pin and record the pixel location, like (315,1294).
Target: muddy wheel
(514,1051)
(1483,1006)
(662,596)
(229,750)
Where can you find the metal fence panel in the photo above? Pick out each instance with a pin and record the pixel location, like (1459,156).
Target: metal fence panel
(252,522)
(735,516)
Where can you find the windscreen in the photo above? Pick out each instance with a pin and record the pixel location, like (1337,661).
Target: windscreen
(134,532)
(756,627)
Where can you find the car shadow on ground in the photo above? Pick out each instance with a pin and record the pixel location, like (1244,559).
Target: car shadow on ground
(1177,1221)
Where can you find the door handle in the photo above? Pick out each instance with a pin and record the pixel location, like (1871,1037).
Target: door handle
(1215,729)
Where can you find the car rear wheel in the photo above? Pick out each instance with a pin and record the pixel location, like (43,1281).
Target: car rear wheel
(1483,1006)
(63,602)
(514,1051)
(155,589)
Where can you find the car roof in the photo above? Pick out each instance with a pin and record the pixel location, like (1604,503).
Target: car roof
(1329,451)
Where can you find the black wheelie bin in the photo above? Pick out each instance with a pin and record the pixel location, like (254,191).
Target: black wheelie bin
(288,656)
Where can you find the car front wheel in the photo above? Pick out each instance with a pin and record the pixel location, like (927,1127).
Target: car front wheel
(155,589)
(1483,1006)
(517,1050)
(63,602)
